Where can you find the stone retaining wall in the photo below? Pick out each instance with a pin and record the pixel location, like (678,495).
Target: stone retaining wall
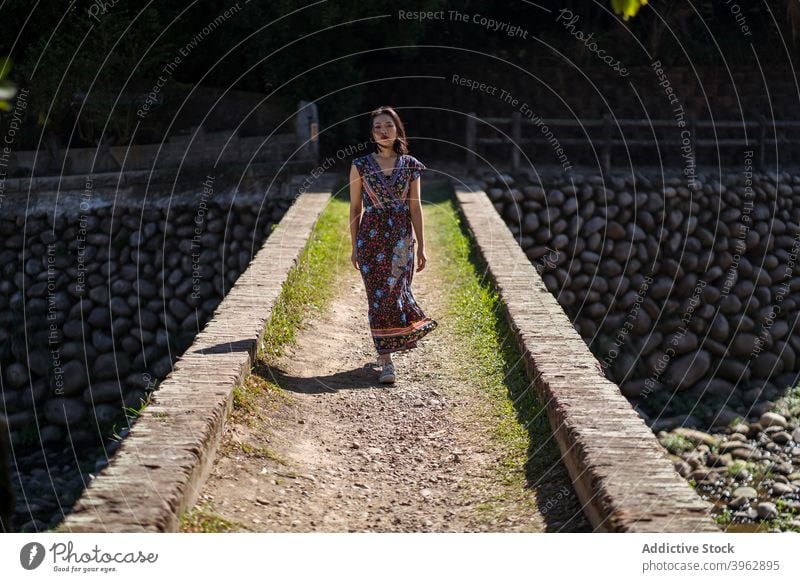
(624,478)
(124,289)
(686,296)
(102,290)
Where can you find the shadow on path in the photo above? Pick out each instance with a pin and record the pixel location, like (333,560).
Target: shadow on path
(353,379)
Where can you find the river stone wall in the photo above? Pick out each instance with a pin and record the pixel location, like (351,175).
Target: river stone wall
(687,297)
(98,301)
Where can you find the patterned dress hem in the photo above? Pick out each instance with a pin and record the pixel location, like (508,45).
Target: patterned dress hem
(404,341)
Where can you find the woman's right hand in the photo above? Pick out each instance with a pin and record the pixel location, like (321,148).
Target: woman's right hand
(354,258)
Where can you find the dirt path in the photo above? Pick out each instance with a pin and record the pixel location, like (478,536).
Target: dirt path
(344,453)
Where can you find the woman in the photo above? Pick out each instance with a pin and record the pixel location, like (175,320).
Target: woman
(386,186)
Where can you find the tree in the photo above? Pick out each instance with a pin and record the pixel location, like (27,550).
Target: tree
(82,78)
(627,8)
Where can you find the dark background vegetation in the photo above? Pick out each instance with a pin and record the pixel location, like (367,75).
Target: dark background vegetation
(350,57)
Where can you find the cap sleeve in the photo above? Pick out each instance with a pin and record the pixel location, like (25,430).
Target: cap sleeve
(416,168)
(357,163)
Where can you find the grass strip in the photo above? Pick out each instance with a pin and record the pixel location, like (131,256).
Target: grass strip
(309,285)
(489,354)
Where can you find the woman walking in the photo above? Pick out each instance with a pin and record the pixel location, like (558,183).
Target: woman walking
(384,205)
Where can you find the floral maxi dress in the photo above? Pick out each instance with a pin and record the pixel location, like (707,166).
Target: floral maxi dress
(385,254)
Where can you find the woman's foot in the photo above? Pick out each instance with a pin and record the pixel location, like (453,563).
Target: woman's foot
(387,369)
(387,373)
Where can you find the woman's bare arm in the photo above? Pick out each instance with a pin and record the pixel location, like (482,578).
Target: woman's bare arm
(415,207)
(355,210)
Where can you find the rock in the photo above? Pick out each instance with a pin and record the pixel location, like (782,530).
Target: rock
(748,514)
(719,460)
(65,411)
(781,437)
(615,231)
(779,329)
(119,307)
(767,365)
(782,489)
(39,361)
(51,434)
(723,416)
(697,436)
(718,387)
(16,375)
(685,371)
(767,510)
(74,378)
(700,474)
(746,454)
(733,370)
(730,304)
(108,366)
(496,194)
(683,468)
(772,419)
(746,492)
(110,391)
(741,428)
(531,223)
(730,446)
(737,502)
(685,343)
(671,422)
(719,328)
(743,344)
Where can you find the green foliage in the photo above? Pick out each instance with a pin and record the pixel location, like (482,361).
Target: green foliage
(7,88)
(627,8)
(87,77)
(676,443)
(738,466)
(725,517)
(204,519)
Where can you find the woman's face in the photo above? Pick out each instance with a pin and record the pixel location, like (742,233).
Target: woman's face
(384,131)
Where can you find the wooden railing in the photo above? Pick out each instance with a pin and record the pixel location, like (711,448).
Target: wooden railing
(510,131)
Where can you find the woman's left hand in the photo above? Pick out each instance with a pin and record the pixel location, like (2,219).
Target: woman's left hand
(421,259)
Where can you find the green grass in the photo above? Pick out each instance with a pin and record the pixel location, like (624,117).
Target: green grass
(676,443)
(487,348)
(789,404)
(245,398)
(725,517)
(203,519)
(309,285)
(261,452)
(738,466)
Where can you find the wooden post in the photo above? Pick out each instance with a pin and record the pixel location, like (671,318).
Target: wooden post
(606,148)
(471,141)
(516,139)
